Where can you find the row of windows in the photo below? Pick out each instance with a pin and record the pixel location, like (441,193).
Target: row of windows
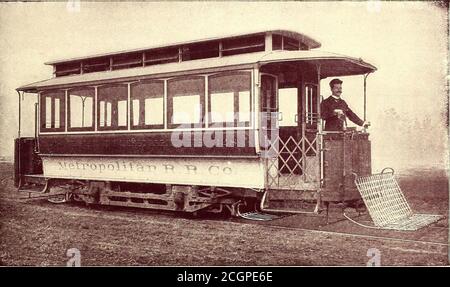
(229,102)
(203,50)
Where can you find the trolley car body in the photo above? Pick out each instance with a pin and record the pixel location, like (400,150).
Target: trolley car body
(191,126)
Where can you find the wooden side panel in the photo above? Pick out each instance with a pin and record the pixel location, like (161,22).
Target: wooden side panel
(340,166)
(234,143)
(333,167)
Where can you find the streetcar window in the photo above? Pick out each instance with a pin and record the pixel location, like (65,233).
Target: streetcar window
(108,114)
(242,45)
(244,106)
(147,104)
(105,114)
(161,56)
(125,61)
(96,65)
(185,100)
(48,112)
(154,111)
(287,98)
(135,112)
(122,113)
(57,114)
(102,113)
(112,107)
(222,107)
(186,109)
(66,69)
(200,51)
(52,110)
(229,97)
(81,109)
(290,44)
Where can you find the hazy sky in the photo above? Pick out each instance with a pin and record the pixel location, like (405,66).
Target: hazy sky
(407,42)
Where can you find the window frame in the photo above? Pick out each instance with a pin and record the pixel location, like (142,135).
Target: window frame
(61,95)
(142,99)
(76,129)
(201,124)
(113,108)
(236,103)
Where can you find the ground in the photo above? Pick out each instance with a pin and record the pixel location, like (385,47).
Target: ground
(38,233)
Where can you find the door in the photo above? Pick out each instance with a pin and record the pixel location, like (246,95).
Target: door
(279,109)
(289,131)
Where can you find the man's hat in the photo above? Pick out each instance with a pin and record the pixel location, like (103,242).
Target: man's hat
(335,81)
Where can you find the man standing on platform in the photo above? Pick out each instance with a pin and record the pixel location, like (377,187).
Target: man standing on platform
(335,110)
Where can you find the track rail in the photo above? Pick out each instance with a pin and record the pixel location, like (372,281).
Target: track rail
(123,215)
(360,235)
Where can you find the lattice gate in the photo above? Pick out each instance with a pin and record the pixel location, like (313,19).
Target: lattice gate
(293,164)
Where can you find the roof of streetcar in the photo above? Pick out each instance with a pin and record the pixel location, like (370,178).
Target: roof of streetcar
(330,64)
(302,38)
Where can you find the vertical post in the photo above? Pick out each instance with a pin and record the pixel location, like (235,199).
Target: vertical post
(319,117)
(38,121)
(365,100)
(95,108)
(35,120)
(19,171)
(206,109)
(66,113)
(256,108)
(165,104)
(129,106)
(303,125)
(20,114)
(319,140)
(39,112)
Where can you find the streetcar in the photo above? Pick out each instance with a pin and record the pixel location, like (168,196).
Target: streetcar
(216,125)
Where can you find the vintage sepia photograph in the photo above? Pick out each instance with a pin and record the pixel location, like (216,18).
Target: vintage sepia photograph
(234,133)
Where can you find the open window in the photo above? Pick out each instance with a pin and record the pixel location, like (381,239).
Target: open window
(200,51)
(291,44)
(186,101)
(147,105)
(161,56)
(52,110)
(280,42)
(80,106)
(127,60)
(112,107)
(242,45)
(66,69)
(96,65)
(229,98)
